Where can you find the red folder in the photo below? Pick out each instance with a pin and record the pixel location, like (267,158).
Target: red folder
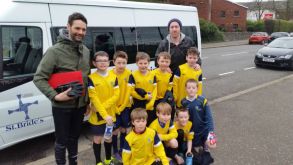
(62,78)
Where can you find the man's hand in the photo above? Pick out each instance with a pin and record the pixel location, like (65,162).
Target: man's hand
(63,96)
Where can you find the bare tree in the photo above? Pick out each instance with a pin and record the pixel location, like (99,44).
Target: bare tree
(259,8)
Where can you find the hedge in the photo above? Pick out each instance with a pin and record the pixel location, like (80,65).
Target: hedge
(210,32)
(270,26)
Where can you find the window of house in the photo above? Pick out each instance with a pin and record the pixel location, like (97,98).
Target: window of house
(236,13)
(235,27)
(222,14)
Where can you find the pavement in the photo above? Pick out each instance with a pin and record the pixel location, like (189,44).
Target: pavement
(86,156)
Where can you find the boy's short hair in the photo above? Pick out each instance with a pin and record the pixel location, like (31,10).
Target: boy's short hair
(182,109)
(138,113)
(164,107)
(164,55)
(120,54)
(142,56)
(193,51)
(190,81)
(76,16)
(100,53)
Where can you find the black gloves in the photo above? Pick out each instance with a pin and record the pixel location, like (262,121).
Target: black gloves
(168,97)
(76,89)
(141,92)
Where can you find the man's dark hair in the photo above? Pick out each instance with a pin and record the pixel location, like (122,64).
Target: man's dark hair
(76,16)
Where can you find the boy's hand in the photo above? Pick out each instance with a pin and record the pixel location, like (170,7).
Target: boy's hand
(212,140)
(63,96)
(196,67)
(109,120)
(169,70)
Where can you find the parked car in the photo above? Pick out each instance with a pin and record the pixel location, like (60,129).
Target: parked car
(259,37)
(279,53)
(291,34)
(278,35)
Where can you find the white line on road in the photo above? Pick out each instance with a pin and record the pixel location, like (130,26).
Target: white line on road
(249,68)
(204,58)
(222,74)
(232,54)
(233,95)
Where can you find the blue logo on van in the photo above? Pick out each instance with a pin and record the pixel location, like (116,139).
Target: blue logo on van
(23,107)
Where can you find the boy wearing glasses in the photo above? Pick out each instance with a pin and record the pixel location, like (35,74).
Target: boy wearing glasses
(103,93)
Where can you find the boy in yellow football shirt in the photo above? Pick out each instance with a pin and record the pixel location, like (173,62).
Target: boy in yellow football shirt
(142,145)
(185,131)
(143,86)
(123,104)
(164,81)
(166,130)
(103,93)
(185,72)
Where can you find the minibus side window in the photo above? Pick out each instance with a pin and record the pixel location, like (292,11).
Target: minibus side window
(148,40)
(21,50)
(191,32)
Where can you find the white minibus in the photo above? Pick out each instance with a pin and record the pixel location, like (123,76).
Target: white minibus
(29,27)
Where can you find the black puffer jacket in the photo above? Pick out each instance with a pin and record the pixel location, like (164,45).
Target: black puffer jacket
(178,52)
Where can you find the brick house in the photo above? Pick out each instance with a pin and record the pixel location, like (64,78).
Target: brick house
(225,14)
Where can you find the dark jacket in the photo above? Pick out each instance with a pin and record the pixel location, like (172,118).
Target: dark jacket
(200,115)
(64,56)
(178,52)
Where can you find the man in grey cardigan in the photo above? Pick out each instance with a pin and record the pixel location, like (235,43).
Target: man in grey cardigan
(68,54)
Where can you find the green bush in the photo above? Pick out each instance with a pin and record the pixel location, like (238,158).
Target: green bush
(283,26)
(210,32)
(255,26)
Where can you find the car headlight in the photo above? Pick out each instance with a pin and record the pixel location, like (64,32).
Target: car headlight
(288,56)
(259,55)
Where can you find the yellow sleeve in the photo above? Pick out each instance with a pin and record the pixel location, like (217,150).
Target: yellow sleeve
(160,153)
(112,101)
(190,134)
(175,87)
(150,104)
(171,135)
(96,101)
(199,88)
(170,85)
(134,94)
(126,100)
(126,154)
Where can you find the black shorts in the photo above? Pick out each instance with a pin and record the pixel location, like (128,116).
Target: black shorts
(99,130)
(199,139)
(123,120)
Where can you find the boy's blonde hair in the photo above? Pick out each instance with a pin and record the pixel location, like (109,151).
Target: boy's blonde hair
(138,113)
(193,51)
(120,54)
(182,109)
(164,107)
(142,56)
(164,55)
(191,81)
(100,53)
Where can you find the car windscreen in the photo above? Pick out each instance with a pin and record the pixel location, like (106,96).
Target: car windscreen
(282,43)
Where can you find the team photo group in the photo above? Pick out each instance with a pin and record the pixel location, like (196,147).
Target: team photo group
(141,117)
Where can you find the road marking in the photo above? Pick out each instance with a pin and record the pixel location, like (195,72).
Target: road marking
(249,68)
(222,74)
(203,58)
(232,54)
(233,95)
